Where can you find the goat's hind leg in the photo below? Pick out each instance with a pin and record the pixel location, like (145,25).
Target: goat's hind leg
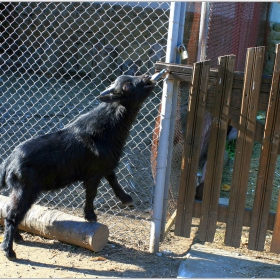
(17,237)
(20,203)
(91,192)
(7,244)
(119,192)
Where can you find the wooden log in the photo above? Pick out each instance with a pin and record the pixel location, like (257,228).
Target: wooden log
(275,242)
(244,145)
(217,143)
(191,149)
(55,224)
(267,163)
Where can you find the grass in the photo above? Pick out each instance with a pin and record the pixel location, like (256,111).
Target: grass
(230,147)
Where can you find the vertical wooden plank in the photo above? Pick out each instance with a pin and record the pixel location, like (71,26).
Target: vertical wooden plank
(275,242)
(191,149)
(244,144)
(215,155)
(268,159)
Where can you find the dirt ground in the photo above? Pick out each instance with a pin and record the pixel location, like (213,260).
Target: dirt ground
(44,258)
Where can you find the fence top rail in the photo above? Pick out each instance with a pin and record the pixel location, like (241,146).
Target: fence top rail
(183,73)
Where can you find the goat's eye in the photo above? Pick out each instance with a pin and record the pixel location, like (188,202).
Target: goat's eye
(126,87)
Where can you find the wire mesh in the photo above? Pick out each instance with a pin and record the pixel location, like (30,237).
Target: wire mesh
(234,27)
(56,58)
(191,31)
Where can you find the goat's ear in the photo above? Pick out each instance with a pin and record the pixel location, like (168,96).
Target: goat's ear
(108,95)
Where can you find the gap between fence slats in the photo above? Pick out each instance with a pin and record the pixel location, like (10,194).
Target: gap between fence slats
(216,149)
(267,164)
(191,149)
(244,144)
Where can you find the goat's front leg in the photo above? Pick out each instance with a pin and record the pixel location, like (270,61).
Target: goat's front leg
(91,192)
(119,192)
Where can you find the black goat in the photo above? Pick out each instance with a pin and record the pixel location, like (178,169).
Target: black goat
(85,150)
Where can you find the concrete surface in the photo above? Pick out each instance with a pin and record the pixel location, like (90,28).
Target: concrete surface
(205,262)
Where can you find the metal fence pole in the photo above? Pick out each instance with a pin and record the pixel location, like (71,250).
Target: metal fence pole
(173,120)
(203,31)
(163,146)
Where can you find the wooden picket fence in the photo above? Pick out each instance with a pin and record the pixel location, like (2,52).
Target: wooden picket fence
(233,97)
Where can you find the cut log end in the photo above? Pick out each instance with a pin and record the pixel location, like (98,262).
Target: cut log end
(99,239)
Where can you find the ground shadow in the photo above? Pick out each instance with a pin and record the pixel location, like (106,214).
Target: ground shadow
(149,265)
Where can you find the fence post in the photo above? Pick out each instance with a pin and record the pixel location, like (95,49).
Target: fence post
(275,242)
(166,110)
(173,120)
(244,145)
(203,30)
(267,163)
(191,148)
(216,149)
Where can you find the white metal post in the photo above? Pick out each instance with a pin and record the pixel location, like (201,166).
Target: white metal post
(166,110)
(203,31)
(173,120)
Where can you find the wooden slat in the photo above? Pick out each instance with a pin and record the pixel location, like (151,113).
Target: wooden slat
(215,156)
(191,149)
(275,242)
(236,95)
(267,163)
(244,144)
(170,223)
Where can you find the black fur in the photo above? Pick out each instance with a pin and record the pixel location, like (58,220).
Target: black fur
(86,150)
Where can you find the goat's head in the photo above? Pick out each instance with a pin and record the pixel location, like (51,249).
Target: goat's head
(131,89)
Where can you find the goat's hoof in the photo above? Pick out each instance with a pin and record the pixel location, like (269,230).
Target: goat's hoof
(18,238)
(10,254)
(126,200)
(91,217)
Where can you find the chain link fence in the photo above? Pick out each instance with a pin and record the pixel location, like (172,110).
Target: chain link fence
(57,57)
(234,27)
(55,60)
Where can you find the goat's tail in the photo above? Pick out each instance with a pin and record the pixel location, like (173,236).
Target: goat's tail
(3,174)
